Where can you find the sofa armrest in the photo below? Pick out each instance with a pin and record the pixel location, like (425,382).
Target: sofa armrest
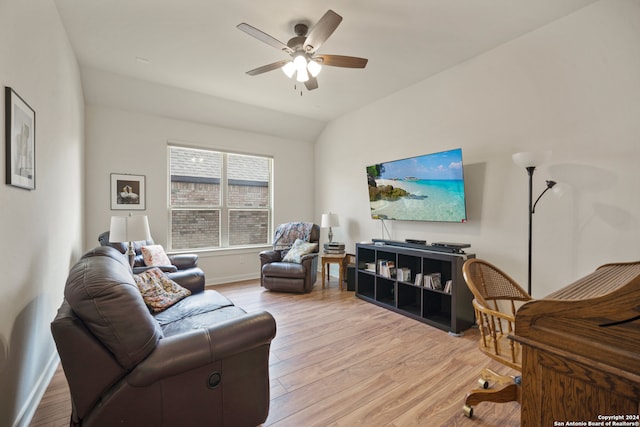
(192,279)
(308,257)
(138,261)
(184,261)
(191,350)
(163,268)
(270,256)
(310,262)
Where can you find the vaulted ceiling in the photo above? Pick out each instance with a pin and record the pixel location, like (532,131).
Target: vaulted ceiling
(194,45)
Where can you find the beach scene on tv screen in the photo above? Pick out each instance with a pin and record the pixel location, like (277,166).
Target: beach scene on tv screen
(422,188)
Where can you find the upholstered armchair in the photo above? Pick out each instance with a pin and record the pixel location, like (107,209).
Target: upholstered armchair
(285,269)
(182,267)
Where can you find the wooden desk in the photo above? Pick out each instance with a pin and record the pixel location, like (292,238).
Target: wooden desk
(327,260)
(581,350)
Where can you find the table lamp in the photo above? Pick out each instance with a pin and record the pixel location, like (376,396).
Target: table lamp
(129,229)
(330,220)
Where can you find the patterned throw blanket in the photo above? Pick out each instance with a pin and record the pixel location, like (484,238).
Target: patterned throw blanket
(286,234)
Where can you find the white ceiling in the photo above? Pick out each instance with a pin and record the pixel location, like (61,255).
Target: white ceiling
(195,45)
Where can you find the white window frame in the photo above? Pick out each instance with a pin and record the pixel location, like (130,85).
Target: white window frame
(223,208)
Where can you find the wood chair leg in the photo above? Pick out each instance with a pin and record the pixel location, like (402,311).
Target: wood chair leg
(506,393)
(488,376)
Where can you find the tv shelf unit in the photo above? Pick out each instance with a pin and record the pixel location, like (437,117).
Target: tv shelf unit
(450,311)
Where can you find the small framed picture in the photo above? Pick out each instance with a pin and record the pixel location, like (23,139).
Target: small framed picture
(128,192)
(20,137)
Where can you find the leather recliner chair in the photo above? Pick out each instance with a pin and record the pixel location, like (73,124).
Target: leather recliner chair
(183,266)
(201,362)
(277,275)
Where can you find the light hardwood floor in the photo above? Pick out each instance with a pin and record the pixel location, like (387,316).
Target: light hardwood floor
(340,361)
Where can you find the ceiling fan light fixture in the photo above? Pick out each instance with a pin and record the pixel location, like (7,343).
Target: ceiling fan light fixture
(302,76)
(305,63)
(314,68)
(289,69)
(300,62)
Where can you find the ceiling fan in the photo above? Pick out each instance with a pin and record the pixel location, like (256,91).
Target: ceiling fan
(305,62)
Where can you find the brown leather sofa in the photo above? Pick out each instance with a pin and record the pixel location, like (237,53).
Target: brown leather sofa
(202,361)
(183,266)
(277,275)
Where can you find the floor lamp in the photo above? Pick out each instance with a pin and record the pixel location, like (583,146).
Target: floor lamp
(529,161)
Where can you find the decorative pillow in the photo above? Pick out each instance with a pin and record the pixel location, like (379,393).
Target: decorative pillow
(299,249)
(158,291)
(154,255)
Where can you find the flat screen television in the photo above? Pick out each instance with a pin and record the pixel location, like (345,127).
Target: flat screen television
(422,188)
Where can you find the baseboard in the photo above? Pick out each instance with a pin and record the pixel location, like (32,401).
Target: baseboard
(31,405)
(231,279)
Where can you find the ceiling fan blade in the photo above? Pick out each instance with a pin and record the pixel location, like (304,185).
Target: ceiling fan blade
(342,61)
(312,83)
(268,67)
(321,31)
(264,37)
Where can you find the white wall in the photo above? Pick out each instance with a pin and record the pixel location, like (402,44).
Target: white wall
(121,141)
(572,87)
(41,230)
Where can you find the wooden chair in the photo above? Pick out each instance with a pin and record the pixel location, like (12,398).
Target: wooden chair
(496,299)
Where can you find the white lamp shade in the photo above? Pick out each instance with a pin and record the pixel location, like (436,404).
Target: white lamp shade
(288,69)
(300,62)
(302,76)
(528,159)
(329,220)
(129,228)
(314,68)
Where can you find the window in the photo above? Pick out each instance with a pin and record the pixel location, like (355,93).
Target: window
(218,200)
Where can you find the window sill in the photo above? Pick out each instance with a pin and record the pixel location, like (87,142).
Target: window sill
(214,252)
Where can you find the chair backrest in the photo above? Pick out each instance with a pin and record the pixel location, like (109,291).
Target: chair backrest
(488,283)
(495,294)
(102,292)
(287,233)
(92,329)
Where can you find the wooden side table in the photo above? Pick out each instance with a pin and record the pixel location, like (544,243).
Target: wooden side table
(327,260)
